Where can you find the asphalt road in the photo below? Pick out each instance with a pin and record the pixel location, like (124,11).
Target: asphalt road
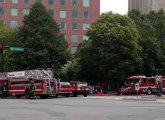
(81,108)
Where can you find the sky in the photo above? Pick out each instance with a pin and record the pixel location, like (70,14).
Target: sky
(116,6)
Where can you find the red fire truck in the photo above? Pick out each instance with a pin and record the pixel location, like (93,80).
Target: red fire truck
(65,89)
(80,88)
(19,82)
(145,85)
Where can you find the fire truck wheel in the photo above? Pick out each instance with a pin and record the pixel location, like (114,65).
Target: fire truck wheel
(66,95)
(149,91)
(43,96)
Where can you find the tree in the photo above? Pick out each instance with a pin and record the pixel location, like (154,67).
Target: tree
(113,51)
(149,40)
(41,37)
(70,71)
(7,34)
(157,20)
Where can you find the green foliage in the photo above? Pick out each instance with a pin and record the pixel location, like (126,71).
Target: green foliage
(41,36)
(113,50)
(70,71)
(157,20)
(150,40)
(6,34)
(73,70)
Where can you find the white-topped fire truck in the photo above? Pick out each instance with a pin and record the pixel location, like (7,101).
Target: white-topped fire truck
(19,81)
(79,88)
(145,85)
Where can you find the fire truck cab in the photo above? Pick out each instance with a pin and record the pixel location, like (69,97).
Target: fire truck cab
(80,88)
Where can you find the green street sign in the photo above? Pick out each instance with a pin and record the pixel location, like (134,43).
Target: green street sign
(17,49)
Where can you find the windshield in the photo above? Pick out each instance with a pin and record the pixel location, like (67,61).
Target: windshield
(82,84)
(137,80)
(132,81)
(129,81)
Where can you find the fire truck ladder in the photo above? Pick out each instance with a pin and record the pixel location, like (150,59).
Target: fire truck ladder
(46,75)
(39,74)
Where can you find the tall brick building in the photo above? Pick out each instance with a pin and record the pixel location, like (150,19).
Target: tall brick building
(73,16)
(145,6)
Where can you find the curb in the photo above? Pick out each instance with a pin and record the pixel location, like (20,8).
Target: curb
(129,98)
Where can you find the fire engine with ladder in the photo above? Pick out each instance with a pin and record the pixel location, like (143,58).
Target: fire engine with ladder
(19,81)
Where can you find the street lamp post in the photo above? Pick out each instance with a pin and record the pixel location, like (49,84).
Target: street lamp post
(1,48)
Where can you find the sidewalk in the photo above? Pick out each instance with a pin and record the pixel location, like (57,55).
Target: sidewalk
(131,98)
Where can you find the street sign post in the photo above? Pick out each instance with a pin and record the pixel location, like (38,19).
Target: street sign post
(137,87)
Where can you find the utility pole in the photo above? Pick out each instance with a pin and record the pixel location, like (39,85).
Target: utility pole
(1,48)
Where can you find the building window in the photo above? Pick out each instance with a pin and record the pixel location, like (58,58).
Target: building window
(2,11)
(51,12)
(85,37)
(74,14)
(2,1)
(63,26)
(74,38)
(74,2)
(14,1)
(86,14)
(38,1)
(26,1)
(25,11)
(86,3)
(73,50)
(14,12)
(50,2)
(74,26)
(13,24)
(62,14)
(62,2)
(85,26)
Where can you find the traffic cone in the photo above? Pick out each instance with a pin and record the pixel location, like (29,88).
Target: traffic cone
(100,93)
